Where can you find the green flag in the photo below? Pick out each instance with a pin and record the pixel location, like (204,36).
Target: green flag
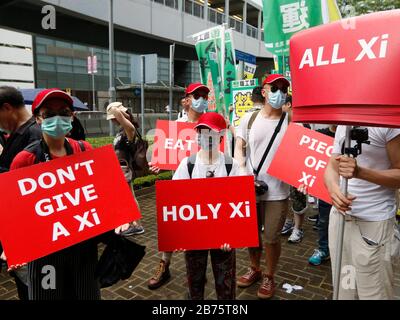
(283,18)
(216,55)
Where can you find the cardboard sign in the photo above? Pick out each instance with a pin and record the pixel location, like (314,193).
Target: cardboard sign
(173,141)
(51,206)
(336,69)
(302,158)
(206,213)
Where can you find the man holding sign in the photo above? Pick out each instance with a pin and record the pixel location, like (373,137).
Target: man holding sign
(74,267)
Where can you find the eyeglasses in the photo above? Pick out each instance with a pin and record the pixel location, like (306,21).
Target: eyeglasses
(51,113)
(210,174)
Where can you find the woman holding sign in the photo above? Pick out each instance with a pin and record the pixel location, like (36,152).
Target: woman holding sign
(69,273)
(209,162)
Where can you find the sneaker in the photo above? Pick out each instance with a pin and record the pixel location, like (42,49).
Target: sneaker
(296,236)
(249,278)
(318,257)
(313,218)
(161,276)
(287,227)
(133,230)
(267,288)
(299,202)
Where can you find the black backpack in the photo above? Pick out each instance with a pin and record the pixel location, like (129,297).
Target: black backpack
(192,160)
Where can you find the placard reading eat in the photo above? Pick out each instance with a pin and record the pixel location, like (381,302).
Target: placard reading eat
(174,141)
(54,205)
(302,158)
(218,211)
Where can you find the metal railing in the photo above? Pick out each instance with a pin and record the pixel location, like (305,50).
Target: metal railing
(196,9)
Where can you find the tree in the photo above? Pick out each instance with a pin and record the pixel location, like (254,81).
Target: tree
(356,8)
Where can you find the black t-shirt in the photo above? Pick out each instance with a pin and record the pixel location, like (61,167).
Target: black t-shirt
(18,141)
(327,132)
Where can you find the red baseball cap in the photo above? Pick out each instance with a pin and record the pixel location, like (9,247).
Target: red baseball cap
(275,77)
(47,94)
(195,86)
(212,120)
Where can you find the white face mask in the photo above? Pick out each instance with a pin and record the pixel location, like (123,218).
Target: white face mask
(200,105)
(208,142)
(276,99)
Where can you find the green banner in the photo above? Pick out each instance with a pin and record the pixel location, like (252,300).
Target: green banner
(283,18)
(217,66)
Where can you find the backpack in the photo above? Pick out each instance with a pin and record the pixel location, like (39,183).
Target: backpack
(38,149)
(192,160)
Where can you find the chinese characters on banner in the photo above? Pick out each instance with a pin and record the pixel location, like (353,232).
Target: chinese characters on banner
(219,211)
(311,152)
(54,205)
(217,61)
(284,18)
(242,103)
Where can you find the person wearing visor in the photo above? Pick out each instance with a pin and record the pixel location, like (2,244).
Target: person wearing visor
(210,162)
(75,266)
(196,97)
(258,138)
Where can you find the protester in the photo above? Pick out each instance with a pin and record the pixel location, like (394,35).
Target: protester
(123,146)
(255,140)
(257,98)
(196,96)
(322,253)
(183,114)
(74,266)
(369,211)
(77,132)
(19,130)
(209,162)
(297,200)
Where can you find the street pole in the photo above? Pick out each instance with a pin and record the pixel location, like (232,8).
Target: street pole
(94,95)
(143,80)
(340,231)
(171,77)
(111,90)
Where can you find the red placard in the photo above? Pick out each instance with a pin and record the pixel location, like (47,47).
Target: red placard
(173,141)
(50,206)
(335,70)
(206,213)
(302,158)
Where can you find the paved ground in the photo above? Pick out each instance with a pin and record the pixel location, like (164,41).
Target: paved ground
(293,269)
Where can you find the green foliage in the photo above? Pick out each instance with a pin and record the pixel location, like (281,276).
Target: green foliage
(351,8)
(150,180)
(100,141)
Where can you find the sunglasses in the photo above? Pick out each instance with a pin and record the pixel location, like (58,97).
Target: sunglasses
(198,95)
(51,113)
(275,89)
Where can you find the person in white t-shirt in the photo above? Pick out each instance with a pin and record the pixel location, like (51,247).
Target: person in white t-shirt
(183,114)
(210,162)
(196,97)
(369,210)
(253,136)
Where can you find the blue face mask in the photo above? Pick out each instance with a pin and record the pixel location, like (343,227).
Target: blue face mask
(57,126)
(276,99)
(5,131)
(200,105)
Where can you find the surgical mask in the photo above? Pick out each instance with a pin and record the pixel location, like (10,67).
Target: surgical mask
(276,99)
(5,131)
(208,142)
(199,105)
(57,126)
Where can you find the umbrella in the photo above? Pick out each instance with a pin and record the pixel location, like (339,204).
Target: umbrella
(30,94)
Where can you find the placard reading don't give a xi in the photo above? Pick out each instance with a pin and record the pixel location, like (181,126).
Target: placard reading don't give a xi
(50,206)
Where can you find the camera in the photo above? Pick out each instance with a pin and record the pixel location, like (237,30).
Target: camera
(359,134)
(261,187)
